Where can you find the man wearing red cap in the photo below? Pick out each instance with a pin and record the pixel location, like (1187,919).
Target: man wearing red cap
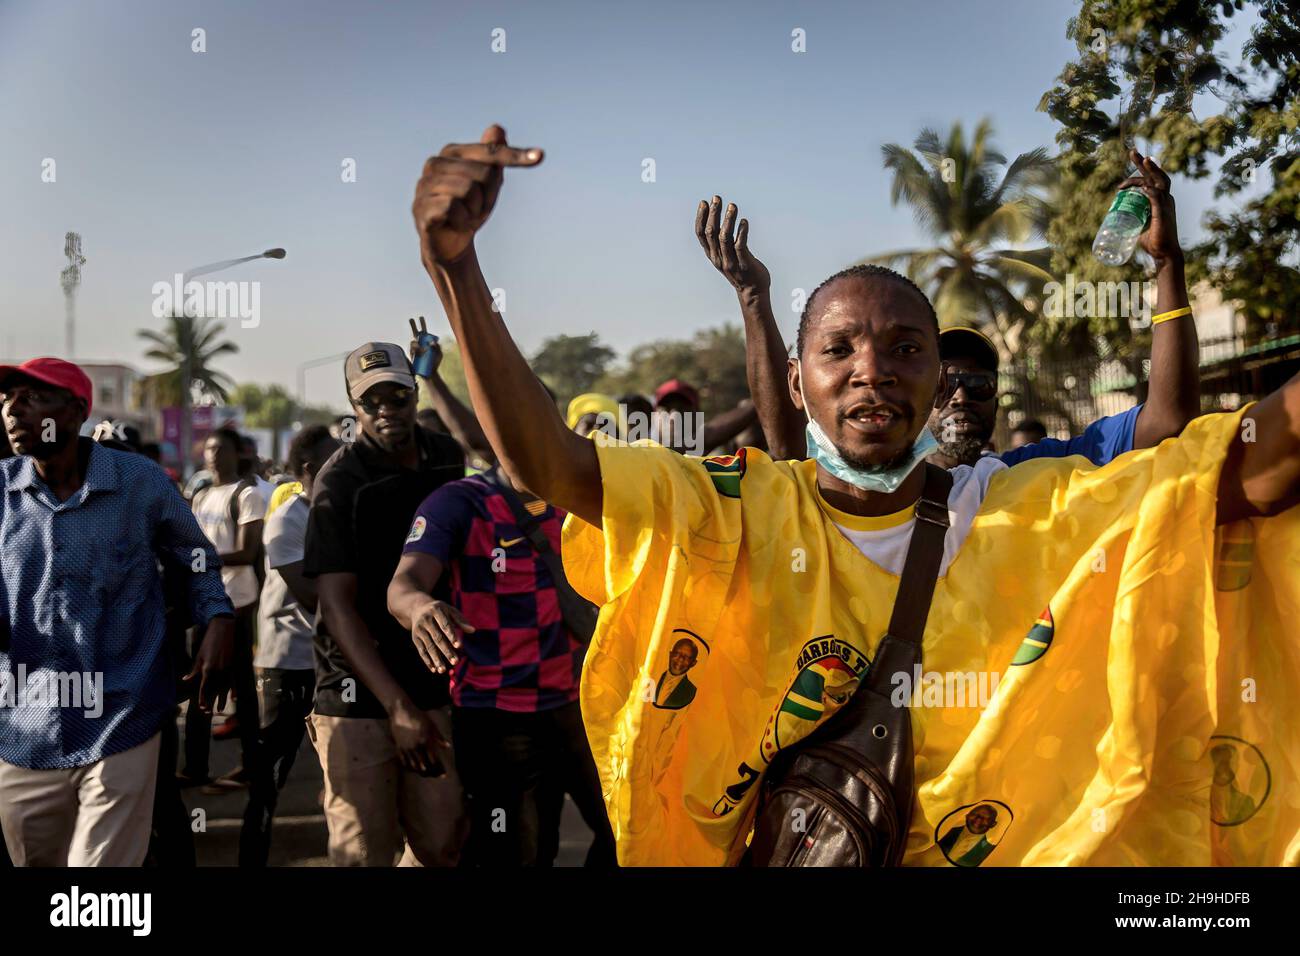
(84,679)
(679,423)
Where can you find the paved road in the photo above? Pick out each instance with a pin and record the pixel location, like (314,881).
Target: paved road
(299,837)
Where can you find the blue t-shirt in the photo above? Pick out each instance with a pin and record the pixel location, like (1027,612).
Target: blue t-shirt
(1103,440)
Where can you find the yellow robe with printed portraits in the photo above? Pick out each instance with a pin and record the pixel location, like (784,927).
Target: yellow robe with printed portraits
(1127,685)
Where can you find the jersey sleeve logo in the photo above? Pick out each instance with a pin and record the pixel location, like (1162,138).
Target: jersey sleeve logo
(417,530)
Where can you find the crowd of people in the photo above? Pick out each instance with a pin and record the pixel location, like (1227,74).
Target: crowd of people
(476,613)
(331,570)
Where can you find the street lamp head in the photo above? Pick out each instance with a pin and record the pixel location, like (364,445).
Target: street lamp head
(273,254)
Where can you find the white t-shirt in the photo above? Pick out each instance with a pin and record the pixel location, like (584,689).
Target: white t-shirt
(884,539)
(284,627)
(264,486)
(212,511)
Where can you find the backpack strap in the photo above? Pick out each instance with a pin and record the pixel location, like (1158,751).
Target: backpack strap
(240,487)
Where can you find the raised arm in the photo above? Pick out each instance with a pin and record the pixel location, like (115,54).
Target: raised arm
(1173,396)
(765,355)
(722,428)
(453,200)
(1261,476)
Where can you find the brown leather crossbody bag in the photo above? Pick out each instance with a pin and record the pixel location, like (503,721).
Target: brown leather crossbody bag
(843,795)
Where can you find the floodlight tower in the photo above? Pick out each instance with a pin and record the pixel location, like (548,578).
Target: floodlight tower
(71,279)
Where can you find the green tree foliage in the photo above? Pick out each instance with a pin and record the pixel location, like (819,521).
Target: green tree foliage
(1140,64)
(978,210)
(452,370)
(269,407)
(1250,255)
(713,361)
(274,408)
(571,364)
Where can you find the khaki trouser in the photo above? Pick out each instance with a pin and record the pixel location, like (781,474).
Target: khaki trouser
(377,810)
(97,815)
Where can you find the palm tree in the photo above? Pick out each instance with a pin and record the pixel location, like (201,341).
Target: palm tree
(196,337)
(976,212)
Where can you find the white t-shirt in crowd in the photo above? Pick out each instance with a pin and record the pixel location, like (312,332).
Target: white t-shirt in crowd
(284,627)
(884,539)
(212,511)
(265,487)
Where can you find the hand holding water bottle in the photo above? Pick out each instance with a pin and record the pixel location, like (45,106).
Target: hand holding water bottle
(1144,199)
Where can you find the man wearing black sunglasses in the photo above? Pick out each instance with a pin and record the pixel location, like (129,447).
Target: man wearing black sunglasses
(964,424)
(381,720)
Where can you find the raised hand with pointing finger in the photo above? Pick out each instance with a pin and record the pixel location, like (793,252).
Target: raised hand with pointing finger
(457,191)
(537,451)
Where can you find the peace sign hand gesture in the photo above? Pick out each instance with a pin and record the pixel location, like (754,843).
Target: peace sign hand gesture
(422,341)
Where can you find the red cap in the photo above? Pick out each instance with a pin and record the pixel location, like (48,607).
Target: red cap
(675,386)
(52,371)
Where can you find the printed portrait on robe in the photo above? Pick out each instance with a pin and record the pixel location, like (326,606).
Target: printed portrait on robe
(674,689)
(969,834)
(1241,781)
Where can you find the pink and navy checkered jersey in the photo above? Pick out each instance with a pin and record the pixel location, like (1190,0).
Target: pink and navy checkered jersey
(521,658)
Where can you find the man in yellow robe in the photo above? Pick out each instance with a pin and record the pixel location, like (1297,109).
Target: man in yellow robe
(1090,592)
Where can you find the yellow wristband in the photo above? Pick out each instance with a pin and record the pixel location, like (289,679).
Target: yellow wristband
(1174,314)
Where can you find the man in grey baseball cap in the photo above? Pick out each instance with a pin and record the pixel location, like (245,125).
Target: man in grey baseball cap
(373,363)
(381,720)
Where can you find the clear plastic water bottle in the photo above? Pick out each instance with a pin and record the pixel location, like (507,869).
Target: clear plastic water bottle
(1118,235)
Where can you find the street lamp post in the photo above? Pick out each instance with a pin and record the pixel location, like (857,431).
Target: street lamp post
(187,346)
(314,363)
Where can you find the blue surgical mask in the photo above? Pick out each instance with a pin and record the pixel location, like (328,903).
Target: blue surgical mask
(884,478)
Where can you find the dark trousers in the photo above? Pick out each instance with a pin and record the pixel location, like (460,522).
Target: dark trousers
(198,725)
(286,699)
(171,843)
(516,769)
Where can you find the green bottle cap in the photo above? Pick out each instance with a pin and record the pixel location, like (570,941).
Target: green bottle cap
(1133,202)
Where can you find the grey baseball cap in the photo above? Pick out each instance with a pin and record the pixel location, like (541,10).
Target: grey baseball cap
(373,363)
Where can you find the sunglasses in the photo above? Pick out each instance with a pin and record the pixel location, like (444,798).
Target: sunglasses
(979,386)
(397,398)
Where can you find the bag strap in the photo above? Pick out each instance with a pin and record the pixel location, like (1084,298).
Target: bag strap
(578,613)
(924,555)
(527,523)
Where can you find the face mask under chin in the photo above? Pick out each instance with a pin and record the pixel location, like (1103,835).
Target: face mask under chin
(882,478)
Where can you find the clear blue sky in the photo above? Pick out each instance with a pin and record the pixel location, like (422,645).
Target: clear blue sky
(167,159)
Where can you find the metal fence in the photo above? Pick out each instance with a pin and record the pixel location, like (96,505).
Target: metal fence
(1067,396)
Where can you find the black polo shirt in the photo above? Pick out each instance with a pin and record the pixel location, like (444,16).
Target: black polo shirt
(362,506)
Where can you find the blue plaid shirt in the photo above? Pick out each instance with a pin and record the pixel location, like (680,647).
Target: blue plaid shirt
(83,668)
